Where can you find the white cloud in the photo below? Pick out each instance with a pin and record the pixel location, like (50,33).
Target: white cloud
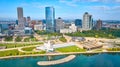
(117,0)
(37,5)
(106,8)
(24,4)
(99,0)
(99,7)
(69,3)
(73,3)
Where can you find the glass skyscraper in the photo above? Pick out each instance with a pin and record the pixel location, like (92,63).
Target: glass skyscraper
(78,22)
(50,19)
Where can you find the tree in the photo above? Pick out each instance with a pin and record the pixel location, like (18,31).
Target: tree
(8,38)
(18,39)
(62,39)
(96,36)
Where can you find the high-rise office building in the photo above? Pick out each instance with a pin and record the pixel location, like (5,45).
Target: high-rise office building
(21,19)
(50,19)
(59,24)
(98,24)
(87,23)
(0,28)
(78,22)
(19,29)
(20,12)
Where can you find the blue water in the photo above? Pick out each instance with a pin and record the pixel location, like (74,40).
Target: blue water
(97,60)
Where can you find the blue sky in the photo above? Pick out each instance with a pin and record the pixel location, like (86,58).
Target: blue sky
(66,9)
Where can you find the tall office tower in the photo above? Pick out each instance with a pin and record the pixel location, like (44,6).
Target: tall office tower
(0,28)
(20,12)
(50,19)
(21,19)
(78,23)
(98,24)
(87,23)
(59,24)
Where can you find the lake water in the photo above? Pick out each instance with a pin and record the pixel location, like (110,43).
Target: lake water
(97,60)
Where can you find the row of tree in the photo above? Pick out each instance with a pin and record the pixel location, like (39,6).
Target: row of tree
(19,39)
(104,33)
(48,33)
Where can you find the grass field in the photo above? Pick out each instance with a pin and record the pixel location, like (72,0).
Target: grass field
(13,45)
(70,49)
(28,48)
(15,52)
(9,53)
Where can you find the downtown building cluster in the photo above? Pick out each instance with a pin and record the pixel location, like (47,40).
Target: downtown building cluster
(26,26)
(58,25)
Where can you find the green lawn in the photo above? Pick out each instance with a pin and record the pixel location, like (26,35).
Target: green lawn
(70,49)
(62,39)
(15,52)
(13,45)
(28,48)
(9,53)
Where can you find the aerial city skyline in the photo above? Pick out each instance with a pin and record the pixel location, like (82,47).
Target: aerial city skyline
(59,33)
(57,25)
(24,25)
(73,9)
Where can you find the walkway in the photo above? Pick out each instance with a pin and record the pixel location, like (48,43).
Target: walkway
(66,59)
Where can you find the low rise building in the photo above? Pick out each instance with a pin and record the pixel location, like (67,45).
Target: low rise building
(78,39)
(38,27)
(72,28)
(65,30)
(28,31)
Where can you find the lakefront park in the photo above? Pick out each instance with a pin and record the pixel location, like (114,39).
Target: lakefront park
(59,33)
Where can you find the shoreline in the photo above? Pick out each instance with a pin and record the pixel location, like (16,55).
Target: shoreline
(57,54)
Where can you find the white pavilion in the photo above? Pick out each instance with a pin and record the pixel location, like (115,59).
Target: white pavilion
(47,47)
